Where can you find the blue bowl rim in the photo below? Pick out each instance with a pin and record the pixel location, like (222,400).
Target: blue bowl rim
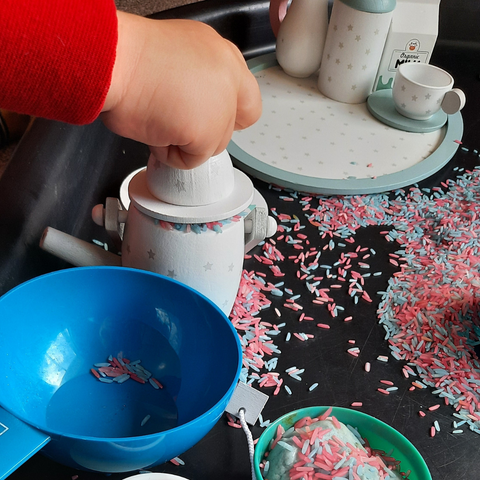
(200,418)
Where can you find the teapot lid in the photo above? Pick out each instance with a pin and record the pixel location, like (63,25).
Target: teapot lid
(239,200)
(372,6)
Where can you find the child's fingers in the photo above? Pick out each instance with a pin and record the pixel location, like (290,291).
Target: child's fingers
(249,103)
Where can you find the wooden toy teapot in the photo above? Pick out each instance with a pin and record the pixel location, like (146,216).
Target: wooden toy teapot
(192,225)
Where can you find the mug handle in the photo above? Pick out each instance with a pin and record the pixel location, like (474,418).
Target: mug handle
(277,12)
(453,101)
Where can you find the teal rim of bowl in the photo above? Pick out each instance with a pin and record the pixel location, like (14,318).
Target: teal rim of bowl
(379,435)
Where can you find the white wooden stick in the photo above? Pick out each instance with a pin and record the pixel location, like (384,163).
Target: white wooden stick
(76,251)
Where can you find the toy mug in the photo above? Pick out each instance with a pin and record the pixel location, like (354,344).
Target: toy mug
(420,90)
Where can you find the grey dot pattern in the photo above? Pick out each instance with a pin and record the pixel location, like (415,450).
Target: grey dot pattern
(424,103)
(303,132)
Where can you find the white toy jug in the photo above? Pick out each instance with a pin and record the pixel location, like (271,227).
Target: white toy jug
(300,33)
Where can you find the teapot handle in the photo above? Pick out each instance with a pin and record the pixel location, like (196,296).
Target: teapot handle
(277,12)
(112,217)
(258,225)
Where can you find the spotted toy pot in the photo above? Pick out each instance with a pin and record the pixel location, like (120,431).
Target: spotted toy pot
(199,244)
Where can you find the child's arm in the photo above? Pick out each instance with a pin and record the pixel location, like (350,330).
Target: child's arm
(175,85)
(179,87)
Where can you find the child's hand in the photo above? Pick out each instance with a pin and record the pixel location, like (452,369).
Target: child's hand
(180,88)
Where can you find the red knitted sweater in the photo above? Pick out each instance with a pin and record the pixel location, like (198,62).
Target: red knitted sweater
(57,57)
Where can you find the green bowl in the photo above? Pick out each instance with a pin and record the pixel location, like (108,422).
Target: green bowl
(380,436)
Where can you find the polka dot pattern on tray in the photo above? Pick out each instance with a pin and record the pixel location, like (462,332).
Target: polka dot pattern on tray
(304,132)
(311,143)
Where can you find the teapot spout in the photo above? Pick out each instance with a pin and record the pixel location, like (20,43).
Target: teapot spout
(75,251)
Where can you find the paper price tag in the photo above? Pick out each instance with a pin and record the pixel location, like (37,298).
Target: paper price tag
(248,398)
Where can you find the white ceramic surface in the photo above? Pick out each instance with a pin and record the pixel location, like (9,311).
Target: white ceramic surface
(301,37)
(209,262)
(352,53)
(419,91)
(211,182)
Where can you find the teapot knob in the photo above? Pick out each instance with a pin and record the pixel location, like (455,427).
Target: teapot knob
(271,227)
(112,217)
(258,225)
(98,215)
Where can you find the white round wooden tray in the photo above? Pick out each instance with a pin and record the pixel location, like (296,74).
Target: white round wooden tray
(308,142)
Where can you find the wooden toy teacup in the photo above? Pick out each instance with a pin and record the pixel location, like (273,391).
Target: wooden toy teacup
(420,90)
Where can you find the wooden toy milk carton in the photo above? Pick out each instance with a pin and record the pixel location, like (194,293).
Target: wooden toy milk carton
(411,38)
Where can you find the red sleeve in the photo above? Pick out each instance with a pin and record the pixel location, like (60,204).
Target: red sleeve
(57,57)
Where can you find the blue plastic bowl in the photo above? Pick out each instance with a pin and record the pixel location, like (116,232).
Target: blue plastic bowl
(54,328)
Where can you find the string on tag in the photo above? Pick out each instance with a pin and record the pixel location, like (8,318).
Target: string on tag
(248,434)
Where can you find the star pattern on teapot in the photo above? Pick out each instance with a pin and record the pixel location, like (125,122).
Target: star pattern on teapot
(214,170)
(180,186)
